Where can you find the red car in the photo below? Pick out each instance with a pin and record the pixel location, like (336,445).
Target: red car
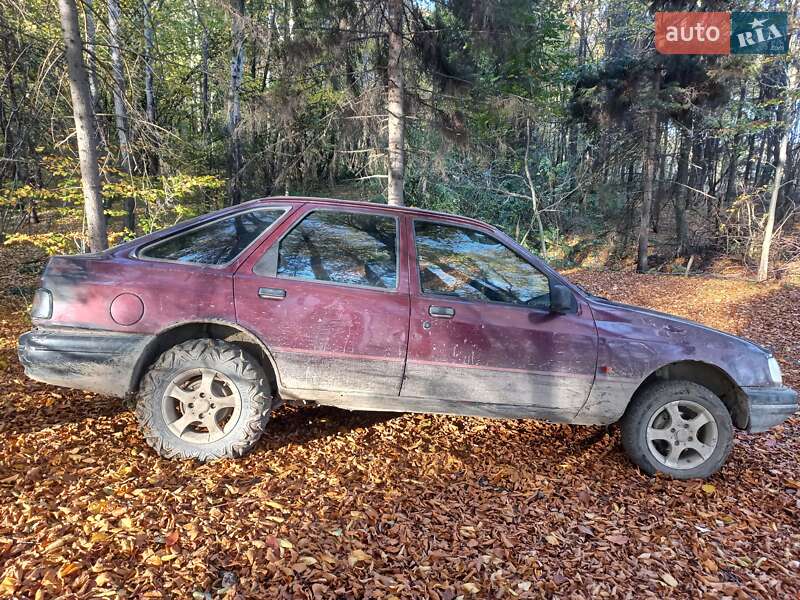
(215,322)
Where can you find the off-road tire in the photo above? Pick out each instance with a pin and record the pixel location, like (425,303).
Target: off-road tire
(655,397)
(239,367)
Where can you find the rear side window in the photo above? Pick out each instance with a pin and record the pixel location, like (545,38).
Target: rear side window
(341,247)
(469,264)
(216,243)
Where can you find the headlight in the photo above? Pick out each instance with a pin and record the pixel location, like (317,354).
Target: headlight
(775,371)
(42,304)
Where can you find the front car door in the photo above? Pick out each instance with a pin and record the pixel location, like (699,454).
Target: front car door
(327,297)
(482,339)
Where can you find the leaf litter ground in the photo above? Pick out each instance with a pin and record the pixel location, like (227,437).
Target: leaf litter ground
(334,504)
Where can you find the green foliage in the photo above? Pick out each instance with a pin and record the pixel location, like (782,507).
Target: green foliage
(162,201)
(478,77)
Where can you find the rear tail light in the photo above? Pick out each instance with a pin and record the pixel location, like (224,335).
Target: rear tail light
(42,304)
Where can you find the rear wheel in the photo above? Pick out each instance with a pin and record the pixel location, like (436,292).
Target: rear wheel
(678,428)
(203,399)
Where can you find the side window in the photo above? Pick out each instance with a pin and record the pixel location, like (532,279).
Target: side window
(217,243)
(351,248)
(462,262)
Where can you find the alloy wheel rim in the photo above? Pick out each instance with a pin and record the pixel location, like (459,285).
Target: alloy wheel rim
(201,406)
(682,434)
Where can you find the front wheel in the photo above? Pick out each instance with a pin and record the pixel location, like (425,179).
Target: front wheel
(203,399)
(678,428)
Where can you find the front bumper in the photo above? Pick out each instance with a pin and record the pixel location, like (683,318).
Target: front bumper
(769,406)
(97,361)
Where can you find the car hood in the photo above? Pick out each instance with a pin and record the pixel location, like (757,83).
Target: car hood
(651,322)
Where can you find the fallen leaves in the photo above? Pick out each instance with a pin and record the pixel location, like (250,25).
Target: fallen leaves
(669,580)
(68,569)
(357,556)
(356,505)
(172,538)
(618,539)
(8,584)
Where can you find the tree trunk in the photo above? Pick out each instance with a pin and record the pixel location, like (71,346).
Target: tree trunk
(769,229)
(733,162)
(234,103)
(658,198)
(204,43)
(394,104)
(617,39)
(681,193)
(149,92)
(758,179)
(91,63)
(349,68)
(583,39)
(648,174)
(537,213)
(748,161)
(120,109)
(91,37)
(267,75)
(11,131)
(83,114)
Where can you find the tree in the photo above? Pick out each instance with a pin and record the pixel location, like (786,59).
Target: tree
(149,92)
(83,115)
(777,179)
(120,108)
(648,171)
(91,36)
(394,104)
(454,105)
(234,102)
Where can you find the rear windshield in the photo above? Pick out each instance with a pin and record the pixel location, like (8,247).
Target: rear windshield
(216,243)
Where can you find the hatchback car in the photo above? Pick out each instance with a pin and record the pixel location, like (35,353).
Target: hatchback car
(213,323)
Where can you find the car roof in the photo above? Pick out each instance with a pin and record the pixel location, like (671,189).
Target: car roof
(370,205)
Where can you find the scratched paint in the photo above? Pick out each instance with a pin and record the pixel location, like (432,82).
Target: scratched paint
(377,349)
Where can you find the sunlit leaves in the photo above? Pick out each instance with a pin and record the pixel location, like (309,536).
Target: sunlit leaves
(395,506)
(160,202)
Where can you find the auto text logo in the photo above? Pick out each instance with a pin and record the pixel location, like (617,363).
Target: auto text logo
(722,32)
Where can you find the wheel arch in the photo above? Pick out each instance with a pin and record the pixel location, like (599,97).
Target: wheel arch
(207,328)
(710,376)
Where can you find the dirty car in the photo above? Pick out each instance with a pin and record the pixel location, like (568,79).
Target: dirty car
(213,323)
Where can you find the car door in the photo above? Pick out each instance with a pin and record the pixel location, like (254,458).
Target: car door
(482,339)
(329,300)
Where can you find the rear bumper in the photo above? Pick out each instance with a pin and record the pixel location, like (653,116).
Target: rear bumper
(769,406)
(97,361)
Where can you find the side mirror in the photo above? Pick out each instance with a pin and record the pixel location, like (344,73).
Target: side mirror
(560,299)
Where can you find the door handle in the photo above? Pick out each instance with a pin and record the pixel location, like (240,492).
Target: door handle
(271,293)
(441,312)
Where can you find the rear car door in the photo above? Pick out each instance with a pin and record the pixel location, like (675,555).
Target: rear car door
(327,297)
(482,339)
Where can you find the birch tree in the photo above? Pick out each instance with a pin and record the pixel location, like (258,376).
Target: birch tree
(234,102)
(149,92)
(91,38)
(120,108)
(394,104)
(83,114)
(777,180)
